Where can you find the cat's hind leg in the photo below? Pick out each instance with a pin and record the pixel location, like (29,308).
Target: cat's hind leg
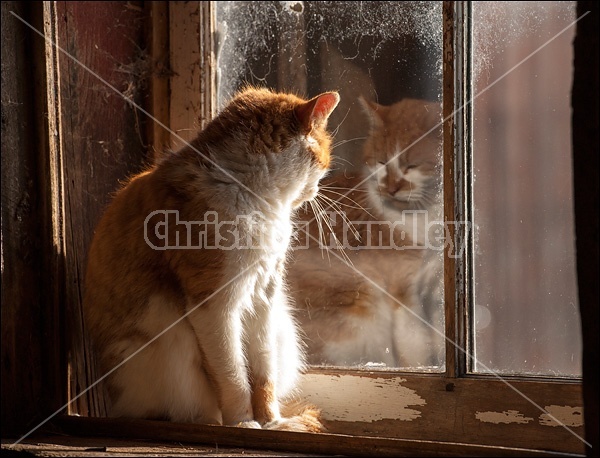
(164,380)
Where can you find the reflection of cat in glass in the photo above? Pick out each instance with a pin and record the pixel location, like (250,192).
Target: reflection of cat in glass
(382,309)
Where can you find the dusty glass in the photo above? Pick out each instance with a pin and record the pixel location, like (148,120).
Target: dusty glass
(526,316)
(372,296)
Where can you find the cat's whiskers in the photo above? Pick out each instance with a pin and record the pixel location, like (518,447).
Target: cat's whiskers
(420,205)
(429,197)
(329,203)
(365,191)
(316,209)
(339,161)
(323,218)
(339,202)
(338,244)
(335,131)
(343,142)
(349,224)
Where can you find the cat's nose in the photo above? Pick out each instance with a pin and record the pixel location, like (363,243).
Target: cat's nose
(394,186)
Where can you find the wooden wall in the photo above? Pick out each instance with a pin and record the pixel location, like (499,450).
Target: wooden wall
(32,365)
(102,141)
(67,141)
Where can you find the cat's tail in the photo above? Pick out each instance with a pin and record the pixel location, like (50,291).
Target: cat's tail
(298,416)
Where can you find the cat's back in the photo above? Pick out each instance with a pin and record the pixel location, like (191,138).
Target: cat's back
(130,260)
(120,263)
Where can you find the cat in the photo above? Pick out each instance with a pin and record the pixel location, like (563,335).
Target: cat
(363,303)
(185,296)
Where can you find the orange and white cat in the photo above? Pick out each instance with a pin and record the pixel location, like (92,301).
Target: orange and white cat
(383,306)
(185,286)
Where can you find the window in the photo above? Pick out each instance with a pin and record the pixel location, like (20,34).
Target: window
(525,291)
(311,47)
(385,51)
(360,49)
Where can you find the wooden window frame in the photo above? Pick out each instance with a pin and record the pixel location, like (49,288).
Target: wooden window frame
(448,404)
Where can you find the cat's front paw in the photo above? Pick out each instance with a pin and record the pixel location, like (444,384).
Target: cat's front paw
(307,422)
(249,424)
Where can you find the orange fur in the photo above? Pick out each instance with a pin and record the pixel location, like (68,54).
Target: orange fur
(358,311)
(263,398)
(259,159)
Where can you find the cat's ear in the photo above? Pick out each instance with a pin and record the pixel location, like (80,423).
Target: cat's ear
(317,110)
(375,112)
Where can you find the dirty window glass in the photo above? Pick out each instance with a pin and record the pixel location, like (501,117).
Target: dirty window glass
(374,298)
(526,314)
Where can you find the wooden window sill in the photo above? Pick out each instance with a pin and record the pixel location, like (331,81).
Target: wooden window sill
(81,436)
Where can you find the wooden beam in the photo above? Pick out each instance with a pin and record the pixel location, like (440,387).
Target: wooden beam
(320,444)
(585,175)
(33,375)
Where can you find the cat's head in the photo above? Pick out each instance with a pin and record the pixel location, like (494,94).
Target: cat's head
(403,153)
(278,142)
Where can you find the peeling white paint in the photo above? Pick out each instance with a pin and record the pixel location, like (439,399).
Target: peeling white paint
(566,416)
(508,416)
(351,398)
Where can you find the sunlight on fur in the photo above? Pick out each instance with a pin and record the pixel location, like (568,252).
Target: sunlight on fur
(206,335)
(379,301)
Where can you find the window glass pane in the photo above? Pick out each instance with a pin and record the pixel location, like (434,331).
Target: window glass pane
(526,314)
(379,306)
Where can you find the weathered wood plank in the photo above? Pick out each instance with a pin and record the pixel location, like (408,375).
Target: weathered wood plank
(186,82)
(157,37)
(449,187)
(32,382)
(488,411)
(102,143)
(321,444)
(70,446)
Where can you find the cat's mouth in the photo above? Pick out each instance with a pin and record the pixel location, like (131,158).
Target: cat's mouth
(401,196)
(307,195)
(408,198)
(400,202)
